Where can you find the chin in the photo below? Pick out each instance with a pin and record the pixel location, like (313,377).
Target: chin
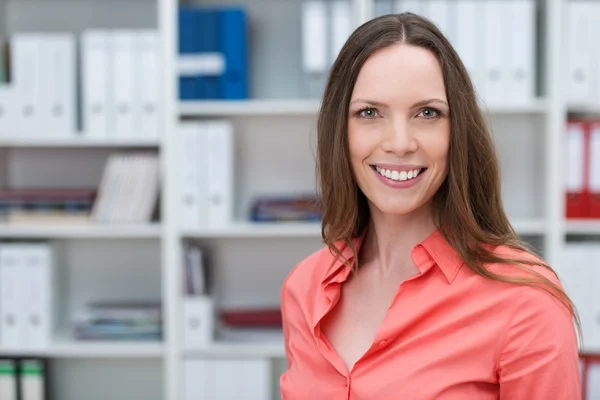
(396,208)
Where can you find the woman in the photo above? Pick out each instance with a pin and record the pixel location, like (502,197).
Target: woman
(424,290)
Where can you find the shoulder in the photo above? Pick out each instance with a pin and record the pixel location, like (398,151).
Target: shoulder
(539,311)
(521,264)
(308,272)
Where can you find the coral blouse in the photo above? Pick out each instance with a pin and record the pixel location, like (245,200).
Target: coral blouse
(449,334)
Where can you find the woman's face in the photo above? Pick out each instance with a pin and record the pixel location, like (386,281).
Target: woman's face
(399,129)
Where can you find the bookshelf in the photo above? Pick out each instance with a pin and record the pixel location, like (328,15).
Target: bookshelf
(88,231)
(273,135)
(72,141)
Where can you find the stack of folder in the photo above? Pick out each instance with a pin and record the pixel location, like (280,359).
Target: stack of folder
(119,321)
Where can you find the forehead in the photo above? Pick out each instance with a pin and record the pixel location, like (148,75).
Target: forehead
(400,72)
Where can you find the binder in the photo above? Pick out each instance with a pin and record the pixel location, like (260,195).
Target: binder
(496,54)
(36,302)
(220,172)
(199,380)
(8,379)
(123,80)
(440,12)
(186,47)
(521,74)
(32,379)
(314,36)
(58,90)
(11,322)
(8,124)
(25,67)
(206,22)
(233,82)
(341,25)
(594,170)
(576,167)
(198,322)
(191,169)
(148,103)
(96,83)
(580,39)
(469,40)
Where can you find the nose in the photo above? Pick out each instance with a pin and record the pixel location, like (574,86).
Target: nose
(399,138)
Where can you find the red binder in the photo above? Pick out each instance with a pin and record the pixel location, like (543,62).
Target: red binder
(576,170)
(594,170)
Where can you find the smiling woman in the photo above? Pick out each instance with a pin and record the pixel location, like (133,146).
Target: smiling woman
(423,290)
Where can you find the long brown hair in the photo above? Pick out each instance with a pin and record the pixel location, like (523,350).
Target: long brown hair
(468,205)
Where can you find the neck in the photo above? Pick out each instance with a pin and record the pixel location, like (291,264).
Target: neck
(390,238)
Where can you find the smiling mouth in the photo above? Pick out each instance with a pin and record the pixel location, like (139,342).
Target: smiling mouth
(398,175)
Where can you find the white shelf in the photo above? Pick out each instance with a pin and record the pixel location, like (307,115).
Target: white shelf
(80,231)
(258,230)
(583,226)
(586,108)
(290,107)
(534,226)
(76,141)
(273,349)
(537,106)
(249,107)
(92,349)
(313,229)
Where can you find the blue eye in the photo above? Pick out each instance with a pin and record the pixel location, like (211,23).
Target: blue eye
(429,113)
(367,113)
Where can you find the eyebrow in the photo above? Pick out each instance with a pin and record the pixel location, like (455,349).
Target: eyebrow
(417,104)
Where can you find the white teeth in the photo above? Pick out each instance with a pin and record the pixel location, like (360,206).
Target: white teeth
(398,175)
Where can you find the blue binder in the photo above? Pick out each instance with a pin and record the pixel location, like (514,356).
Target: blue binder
(234,47)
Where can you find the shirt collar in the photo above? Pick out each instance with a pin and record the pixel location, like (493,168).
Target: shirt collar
(433,250)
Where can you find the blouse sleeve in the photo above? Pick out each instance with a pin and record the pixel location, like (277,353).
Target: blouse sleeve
(540,358)
(285,325)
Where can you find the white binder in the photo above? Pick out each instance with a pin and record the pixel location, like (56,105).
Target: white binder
(496,52)
(440,13)
(190,166)
(521,72)
(36,302)
(61,61)
(341,25)
(56,116)
(148,104)
(199,381)
(32,379)
(124,84)
(220,160)
(11,274)
(8,379)
(96,83)
(579,31)
(469,40)
(26,66)
(8,110)
(198,322)
(314,36)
